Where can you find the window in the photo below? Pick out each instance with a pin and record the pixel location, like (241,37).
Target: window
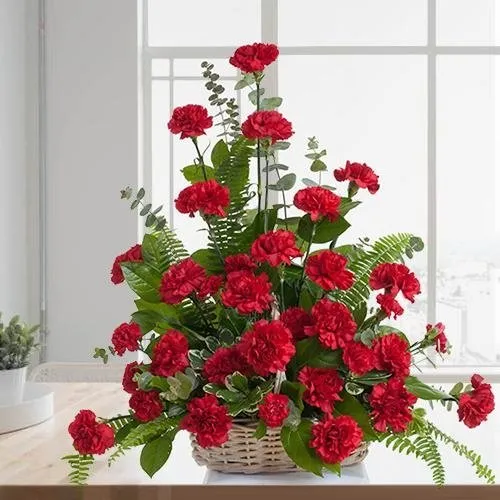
(408,87)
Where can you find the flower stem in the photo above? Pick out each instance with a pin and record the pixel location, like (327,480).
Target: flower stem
(200,158)
(259,173)
(284,200)
(308,251)
(266,200)
(282,288)
(214,239)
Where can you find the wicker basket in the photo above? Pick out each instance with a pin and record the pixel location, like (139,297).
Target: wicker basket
(245,454)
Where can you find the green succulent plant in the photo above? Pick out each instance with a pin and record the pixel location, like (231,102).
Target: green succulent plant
(17,340)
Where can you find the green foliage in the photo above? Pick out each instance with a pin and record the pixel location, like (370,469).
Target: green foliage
(423,447)
(387,249)
(352,407)
(196,173)
(143,280)
(311,353)
(482,470)
(144,433)
(80,468)
(233,172)
(424,391)
(155,453)
(228,109)
(17,340)
(324,231)
(296,445)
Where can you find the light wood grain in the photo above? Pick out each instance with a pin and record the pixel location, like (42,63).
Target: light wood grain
(33,456)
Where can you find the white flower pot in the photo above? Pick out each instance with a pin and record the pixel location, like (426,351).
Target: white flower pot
(12,386)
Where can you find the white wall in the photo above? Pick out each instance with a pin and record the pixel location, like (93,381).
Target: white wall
(13,194)
(92,152)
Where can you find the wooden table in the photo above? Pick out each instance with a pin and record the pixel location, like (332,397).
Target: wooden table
(33,455)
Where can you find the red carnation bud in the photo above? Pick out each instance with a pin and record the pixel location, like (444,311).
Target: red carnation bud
(254,58)
(360,174)
(190,121)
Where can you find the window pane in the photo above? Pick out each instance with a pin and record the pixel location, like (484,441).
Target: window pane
(201,23)
(352,22)
(367,109)
(468,206)
(468,22)
(160,149)
(160,67)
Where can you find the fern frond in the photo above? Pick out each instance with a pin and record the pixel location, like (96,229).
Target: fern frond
(233,173)
(423,447)
(482,471)
(80,468)
(142,434)
(118,422)
(387,249)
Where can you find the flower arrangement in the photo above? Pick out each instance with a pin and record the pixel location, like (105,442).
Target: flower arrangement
(273,319)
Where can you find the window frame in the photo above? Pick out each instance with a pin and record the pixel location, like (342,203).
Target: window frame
(269,33)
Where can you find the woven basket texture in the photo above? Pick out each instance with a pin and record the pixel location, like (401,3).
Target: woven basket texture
(243,453)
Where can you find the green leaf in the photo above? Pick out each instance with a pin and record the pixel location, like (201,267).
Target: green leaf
(155,454)
(359,313)
(275,166)
(261,430)
(254,230)
(237,382)
(248,404)
(424,391)
(220,153)
(145,209)
(306,350)
(155,252)
(346,205)
(285,183)
(327,359)
(325,230)
(195,359)
(280,146)
(271,103)
(352,407)
(194,173)
(209,259)
(143,280)
(296,445)
(252,96)
(318,166)
(295,391)
(335,468)
(456,389)
(140,194)
(309,182)
(226,337)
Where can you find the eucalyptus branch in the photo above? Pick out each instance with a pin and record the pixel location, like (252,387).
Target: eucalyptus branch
(284,200)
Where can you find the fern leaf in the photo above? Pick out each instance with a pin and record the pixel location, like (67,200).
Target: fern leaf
(387,249)
(80,468)
(473,457)
(233,173)
(423,447)
(142,434)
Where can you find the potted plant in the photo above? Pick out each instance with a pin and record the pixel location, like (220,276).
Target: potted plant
(271,345)
(17,340)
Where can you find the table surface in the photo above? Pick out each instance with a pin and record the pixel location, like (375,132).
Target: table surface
(33,455)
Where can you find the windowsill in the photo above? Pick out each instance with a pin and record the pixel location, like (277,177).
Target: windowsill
(452,374)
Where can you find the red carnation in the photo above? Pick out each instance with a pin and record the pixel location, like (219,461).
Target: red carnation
(267,347)
(223,362)
(181,280)
(360,174)
(89,436)
(209,197)
(146,405)
(328,270)
(296,320)
(267,125)
(210,286)
(255,57)
(440,339)
(239,262)
(126,337)
(409,285)
(392,355)
(189,121)
(208,420)
(133,254)
(247,293)
(332,323)
(475,406)
(128,382)
(323,386)
(359,358)
(389,305)
(170,354)
(335,438)
(275,247)
(274,409)
(391,406)
(318,202)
